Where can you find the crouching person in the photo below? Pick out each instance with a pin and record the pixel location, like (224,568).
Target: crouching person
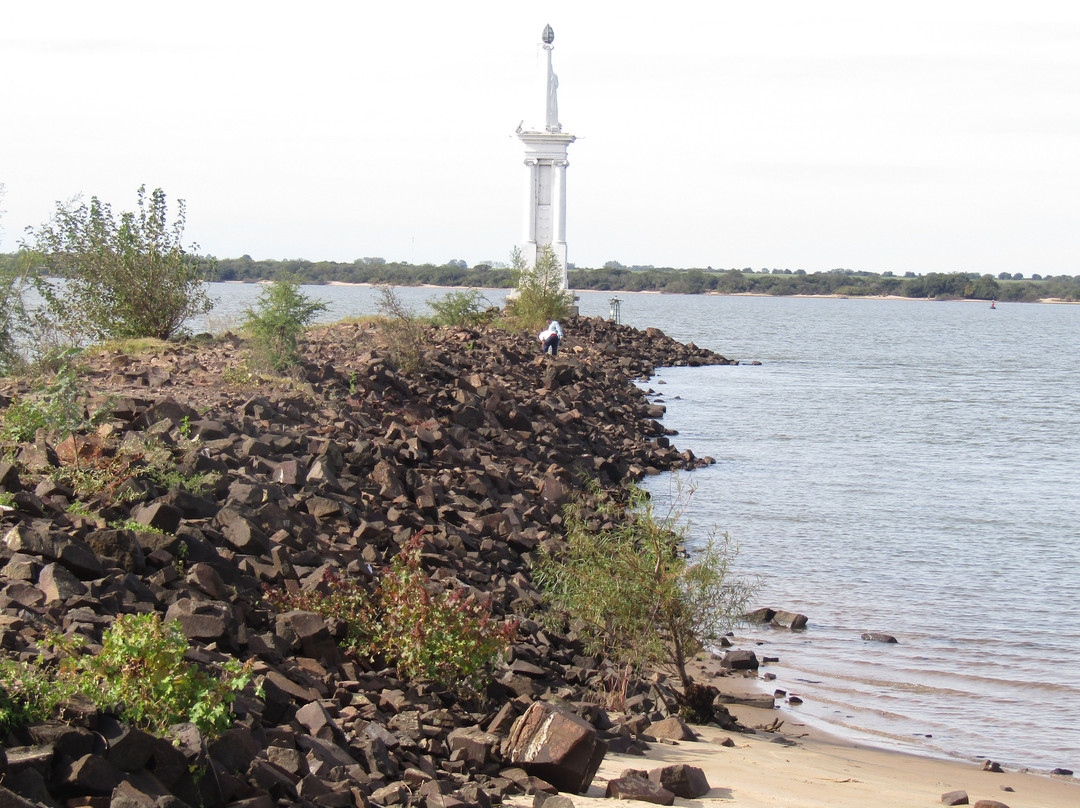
(550,337)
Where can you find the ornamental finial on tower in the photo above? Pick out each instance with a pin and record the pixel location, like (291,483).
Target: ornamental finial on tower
(549,35)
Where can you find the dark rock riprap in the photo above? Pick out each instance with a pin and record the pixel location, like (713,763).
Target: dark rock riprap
(332,471)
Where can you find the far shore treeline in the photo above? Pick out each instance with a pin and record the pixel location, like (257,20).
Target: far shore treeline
(613,276)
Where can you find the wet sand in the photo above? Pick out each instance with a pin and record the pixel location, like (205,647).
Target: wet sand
(803,767)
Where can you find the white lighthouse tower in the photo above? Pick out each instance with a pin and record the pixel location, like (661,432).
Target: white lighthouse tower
(545,163)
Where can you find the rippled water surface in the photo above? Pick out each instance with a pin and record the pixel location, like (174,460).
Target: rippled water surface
(907,467)
(911,468)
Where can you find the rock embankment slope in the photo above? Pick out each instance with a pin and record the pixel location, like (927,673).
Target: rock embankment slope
(334,471)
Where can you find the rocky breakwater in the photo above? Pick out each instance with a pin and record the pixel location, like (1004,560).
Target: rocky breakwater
(330,471)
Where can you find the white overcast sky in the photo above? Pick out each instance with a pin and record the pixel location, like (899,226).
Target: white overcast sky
(914,136)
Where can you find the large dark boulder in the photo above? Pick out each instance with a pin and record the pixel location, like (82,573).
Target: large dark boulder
(557,746)
(740,660)
(688,782)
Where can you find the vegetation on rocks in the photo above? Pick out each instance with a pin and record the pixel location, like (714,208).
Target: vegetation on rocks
(321,476)
(426,631)
(62,410)
(469,308)
(277,320)
(125,276)
(624,579)
(29,691)
(15,281)
(140,672)
(540,294)
(59,405)
(405,333)
(142,669)
(448,636)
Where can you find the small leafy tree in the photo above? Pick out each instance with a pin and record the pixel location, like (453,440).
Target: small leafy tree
(636,595)
(541,293)
(275,323)
(983,288)
(123,277)
(460,308)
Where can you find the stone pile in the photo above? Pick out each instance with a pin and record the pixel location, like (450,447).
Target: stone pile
(331,471)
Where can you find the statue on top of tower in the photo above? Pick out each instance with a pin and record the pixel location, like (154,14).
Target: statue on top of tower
(551,116)
(552,123)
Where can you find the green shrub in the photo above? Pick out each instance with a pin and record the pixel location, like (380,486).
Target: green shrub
(60,407)
(449,637)
(281,314)
(140,673)
(406,335)
(89,478)
(125,277)
(30,691)
(445,636)
(78,509)
(541,295)
(132,524)
(238,375)
(21,420)
(460,308)
(14,317)
(637,597)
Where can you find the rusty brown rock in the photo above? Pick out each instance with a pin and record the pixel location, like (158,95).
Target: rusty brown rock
(556,745)
(639,788)
(159,516)
(671,728)
(688,782)
(958,797)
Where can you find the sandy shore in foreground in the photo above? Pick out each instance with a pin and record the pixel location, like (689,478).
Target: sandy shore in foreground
(803,767)
(811,770)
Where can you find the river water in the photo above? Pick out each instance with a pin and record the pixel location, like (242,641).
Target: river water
(907,467)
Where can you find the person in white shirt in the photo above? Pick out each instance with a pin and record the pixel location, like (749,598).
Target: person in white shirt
(550,337)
